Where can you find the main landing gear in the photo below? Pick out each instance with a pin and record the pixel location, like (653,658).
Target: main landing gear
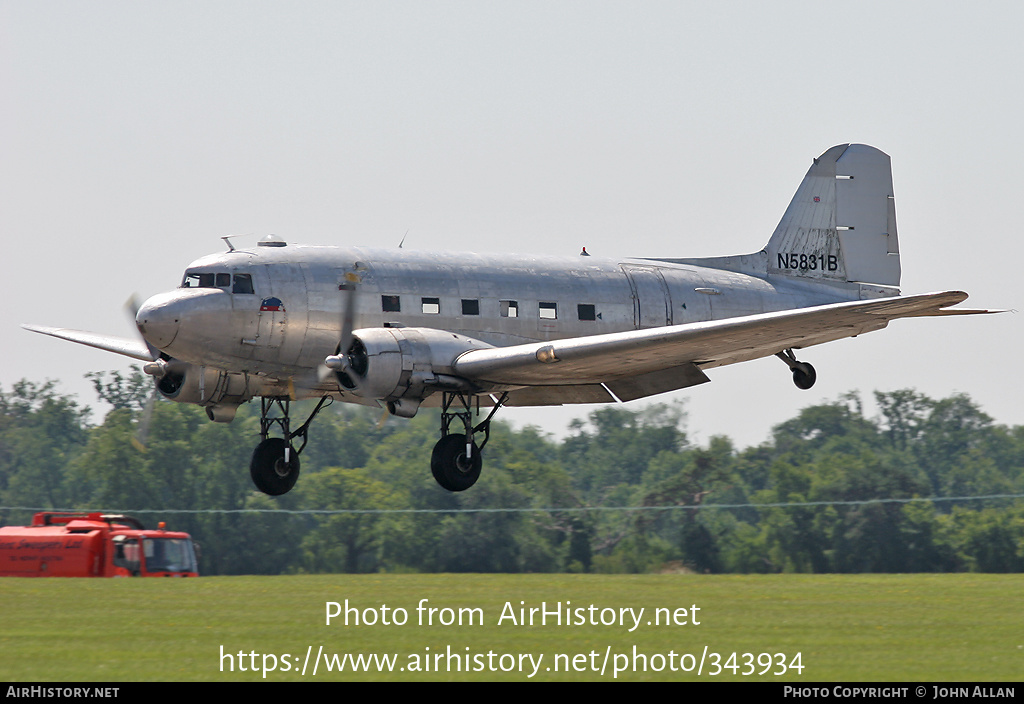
(804,375)
(456,461)
(275,461)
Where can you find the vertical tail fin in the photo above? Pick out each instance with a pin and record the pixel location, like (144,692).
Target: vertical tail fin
(841,224)
(839,228)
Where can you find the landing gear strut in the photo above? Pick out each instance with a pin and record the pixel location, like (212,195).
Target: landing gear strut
(804,375)
(275,461)
(456,461)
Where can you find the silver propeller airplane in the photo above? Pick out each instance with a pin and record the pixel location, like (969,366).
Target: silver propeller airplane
(474,332)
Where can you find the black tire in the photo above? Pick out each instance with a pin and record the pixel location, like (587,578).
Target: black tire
(268,470)
(804,378)
(449,465)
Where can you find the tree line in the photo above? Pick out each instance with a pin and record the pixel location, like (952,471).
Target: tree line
(832,490)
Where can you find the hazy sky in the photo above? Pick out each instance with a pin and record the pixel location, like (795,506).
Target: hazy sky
(134,135)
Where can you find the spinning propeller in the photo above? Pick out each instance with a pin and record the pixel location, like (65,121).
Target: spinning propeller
(350,355)
(350,360)
(159,367)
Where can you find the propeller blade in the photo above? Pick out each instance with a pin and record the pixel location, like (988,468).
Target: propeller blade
(348,316)
(323,373)
(158,369)
(132,308)
(141,433)
(340,362)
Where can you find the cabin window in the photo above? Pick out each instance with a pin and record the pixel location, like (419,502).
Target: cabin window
(243,284)
(548,311)
(431,306)
(470,306)
(223,280)
(586,311)
(391,304)
(509,309)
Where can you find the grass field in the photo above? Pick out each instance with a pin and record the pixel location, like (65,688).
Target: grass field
(962,627)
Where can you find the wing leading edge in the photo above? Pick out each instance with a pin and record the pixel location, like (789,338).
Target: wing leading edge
(119,345)
(641,363)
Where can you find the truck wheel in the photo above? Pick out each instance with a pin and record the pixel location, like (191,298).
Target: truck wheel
(269,472)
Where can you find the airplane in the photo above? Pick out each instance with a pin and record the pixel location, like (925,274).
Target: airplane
(472,333)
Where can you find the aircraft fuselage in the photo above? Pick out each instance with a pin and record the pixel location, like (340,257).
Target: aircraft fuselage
(288,320)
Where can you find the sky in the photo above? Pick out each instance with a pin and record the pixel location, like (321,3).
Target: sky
(134,135)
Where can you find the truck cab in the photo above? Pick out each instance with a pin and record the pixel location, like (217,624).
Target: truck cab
(94,545)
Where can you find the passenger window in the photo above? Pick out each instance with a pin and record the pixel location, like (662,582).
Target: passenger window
(548,311)
(586,311)
(470,306)
(509,309)
(223,280)
(243,284)
(391,304)
(431,306)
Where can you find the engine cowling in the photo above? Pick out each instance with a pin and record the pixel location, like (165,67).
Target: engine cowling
(218,391)
(402,366)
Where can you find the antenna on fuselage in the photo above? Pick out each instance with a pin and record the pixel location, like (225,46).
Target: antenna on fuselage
(403,239)
(227,241)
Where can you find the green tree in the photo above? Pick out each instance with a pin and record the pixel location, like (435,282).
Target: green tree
(40,432)
(348,542)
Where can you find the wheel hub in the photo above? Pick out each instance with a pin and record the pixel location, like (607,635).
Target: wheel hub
(281,468)
(463,464)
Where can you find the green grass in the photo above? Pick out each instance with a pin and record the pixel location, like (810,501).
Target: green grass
(962,627)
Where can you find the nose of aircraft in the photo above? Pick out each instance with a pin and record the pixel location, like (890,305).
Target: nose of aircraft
(158,319)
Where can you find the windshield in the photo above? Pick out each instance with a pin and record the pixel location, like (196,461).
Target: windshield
(169,555)
(238,283)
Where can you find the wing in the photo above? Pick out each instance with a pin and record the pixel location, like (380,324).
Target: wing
(641,363)
(120,345)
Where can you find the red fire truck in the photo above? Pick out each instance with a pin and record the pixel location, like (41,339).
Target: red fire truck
(94,545)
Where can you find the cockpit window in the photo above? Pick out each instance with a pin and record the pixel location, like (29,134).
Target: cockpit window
(243,284)
(195,280)
(240,283)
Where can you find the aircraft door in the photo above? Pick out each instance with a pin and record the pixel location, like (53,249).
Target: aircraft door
(247,283)
(691,295)
(652,302)
(283,312)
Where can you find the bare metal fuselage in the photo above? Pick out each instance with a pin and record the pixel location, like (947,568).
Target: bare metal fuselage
(291,320)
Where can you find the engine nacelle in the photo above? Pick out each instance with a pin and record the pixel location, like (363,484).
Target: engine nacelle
(219,391)
(404,365)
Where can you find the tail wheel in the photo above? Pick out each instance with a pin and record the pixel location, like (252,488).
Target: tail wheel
(804,376)
(269,471)
(450,466)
